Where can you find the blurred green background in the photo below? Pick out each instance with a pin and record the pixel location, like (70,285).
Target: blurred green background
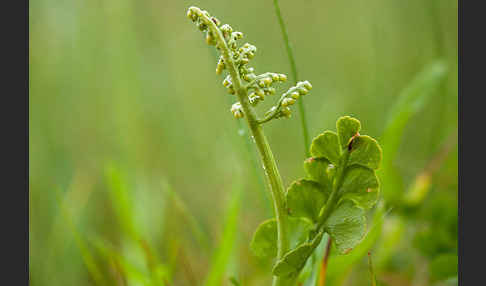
(140,175)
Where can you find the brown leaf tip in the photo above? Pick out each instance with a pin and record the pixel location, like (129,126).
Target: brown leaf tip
(350,145)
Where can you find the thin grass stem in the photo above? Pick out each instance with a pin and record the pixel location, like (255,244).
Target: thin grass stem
(295,77)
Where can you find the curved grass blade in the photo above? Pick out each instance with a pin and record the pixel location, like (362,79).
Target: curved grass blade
(372,271)
(295,77)
(195,226)
(88,258)
(222,256)
(411,100)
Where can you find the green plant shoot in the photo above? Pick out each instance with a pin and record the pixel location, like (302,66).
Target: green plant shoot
(341,183)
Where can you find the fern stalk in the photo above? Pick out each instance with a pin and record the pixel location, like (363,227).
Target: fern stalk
(266,155)
(350,181)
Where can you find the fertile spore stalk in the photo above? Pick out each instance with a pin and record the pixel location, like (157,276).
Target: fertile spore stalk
(258,87)
(341,181)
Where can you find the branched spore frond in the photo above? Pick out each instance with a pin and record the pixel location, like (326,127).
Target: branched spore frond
(241,76)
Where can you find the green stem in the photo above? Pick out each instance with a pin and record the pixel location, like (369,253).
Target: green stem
(293,68)
(266,155)
(372,271)
(272,114)
(334,197)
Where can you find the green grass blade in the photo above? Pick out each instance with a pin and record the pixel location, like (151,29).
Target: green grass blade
(222,256)
(130,271)
(234,281)
(411,100)
(395,233)
(418,190)
(88,258)
(196,228)
(372,271)
(121,200)
(295,76)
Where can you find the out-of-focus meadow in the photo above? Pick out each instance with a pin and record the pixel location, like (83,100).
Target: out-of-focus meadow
(140,175)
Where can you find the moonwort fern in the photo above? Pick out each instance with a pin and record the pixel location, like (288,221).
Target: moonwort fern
(341,183)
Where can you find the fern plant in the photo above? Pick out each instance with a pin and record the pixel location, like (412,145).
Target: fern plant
(341,183)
